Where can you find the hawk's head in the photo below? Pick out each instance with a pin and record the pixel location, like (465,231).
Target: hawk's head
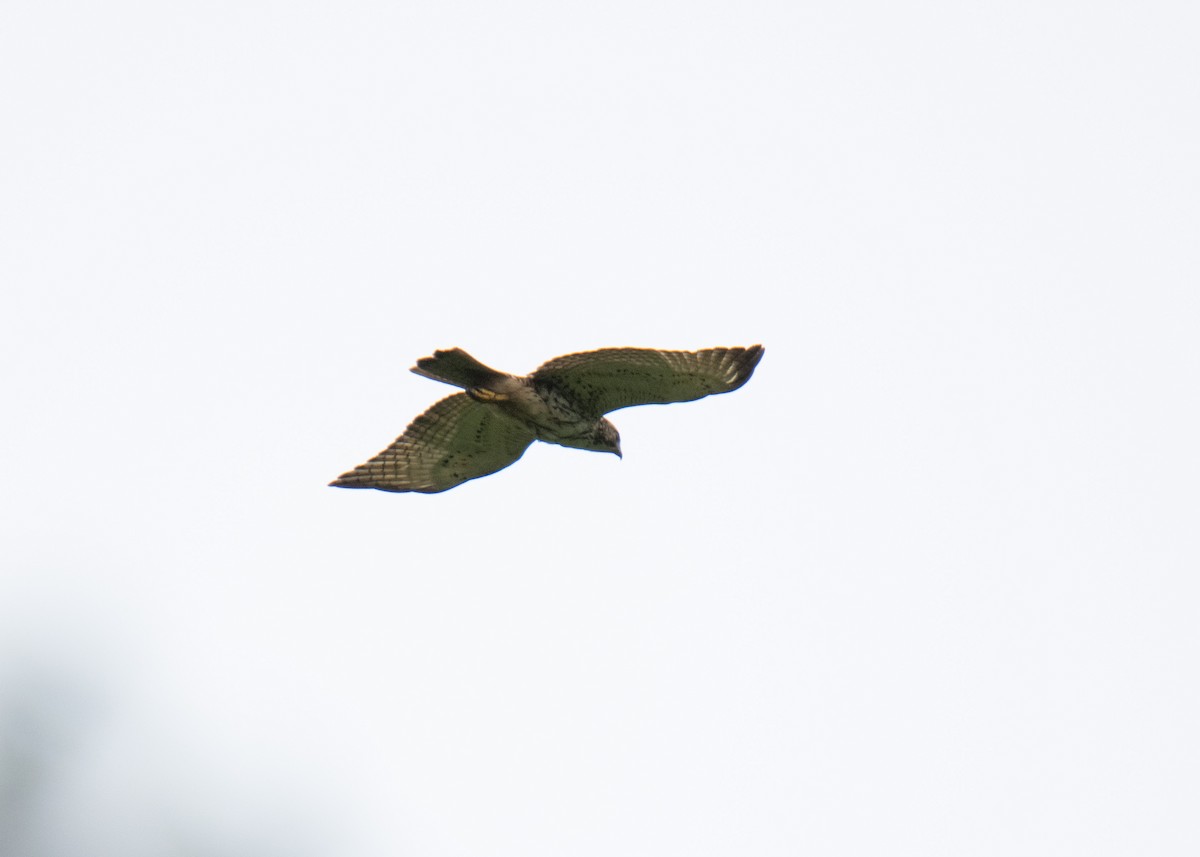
(605,438)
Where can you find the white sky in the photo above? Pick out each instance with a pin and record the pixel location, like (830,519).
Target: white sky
(926,585)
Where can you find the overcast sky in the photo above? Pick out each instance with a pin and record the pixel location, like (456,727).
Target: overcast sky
(926,585)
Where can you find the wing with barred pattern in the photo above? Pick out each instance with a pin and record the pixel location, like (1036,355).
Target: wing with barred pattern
(455,440)
(613,378)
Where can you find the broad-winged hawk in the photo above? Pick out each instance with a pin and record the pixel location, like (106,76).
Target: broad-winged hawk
(487,428)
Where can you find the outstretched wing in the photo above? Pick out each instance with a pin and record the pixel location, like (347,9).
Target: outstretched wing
(613,378)
(455,440)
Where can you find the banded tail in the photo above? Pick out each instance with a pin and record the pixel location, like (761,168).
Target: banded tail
(459,368)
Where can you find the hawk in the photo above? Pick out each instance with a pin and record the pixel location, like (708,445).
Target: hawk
(488,427)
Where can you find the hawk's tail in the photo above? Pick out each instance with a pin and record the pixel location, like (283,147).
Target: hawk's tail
(459,368)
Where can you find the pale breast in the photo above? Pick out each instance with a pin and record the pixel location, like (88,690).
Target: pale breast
(552,416)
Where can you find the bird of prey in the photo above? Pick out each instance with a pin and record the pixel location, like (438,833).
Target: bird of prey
(488,427)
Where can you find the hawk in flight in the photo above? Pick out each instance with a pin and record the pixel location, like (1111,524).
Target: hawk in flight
(487,428)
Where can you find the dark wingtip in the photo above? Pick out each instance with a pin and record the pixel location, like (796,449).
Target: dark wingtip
(746,363)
